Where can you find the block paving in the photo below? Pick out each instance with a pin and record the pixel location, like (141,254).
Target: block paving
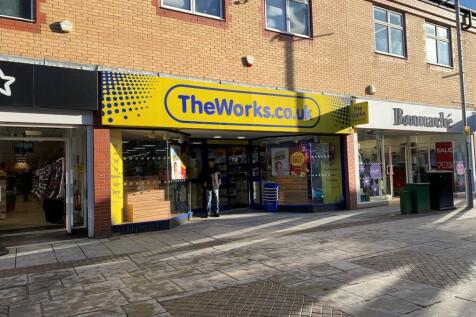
(438,271)
(358,263)
(264,298)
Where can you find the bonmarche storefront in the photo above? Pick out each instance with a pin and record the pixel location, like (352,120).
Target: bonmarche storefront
(402,143)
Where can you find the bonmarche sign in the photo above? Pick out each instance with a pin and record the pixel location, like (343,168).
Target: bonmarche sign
(421,121)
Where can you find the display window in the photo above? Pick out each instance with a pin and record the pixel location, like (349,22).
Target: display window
(371,159)
(308,170)
(149,180)
(388,161)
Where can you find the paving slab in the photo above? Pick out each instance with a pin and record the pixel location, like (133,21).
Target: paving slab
(69,254)
(95,250)
(454,307)
(23,311)
(382,306)
(19,280)
(141,291)
(423,295)
(202,280)
(104,286)
(316,287)
(35,259)
(143,309)
(108,312)
(291,277)
(83,304)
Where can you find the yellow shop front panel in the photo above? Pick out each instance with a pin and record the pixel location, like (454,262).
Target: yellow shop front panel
(132,100)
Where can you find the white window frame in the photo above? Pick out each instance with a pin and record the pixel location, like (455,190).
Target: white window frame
(288,21)
(390,26)
(192,10)
(439,39)
(33,14)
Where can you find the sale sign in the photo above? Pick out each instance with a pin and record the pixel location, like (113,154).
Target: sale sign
(444,156)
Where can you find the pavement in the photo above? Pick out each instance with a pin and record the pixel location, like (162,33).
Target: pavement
(369,262)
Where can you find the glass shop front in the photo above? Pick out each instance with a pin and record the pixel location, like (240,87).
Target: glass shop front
(402,143)
(158,175)
(167,133)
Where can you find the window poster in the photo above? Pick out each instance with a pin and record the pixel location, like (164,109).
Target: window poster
(280,161)
(444,156)
(298,161)
(179,170)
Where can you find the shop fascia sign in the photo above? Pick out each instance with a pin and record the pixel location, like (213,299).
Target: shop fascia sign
(441,121)
(157,102)
(26,86)
(359,113)
(389,115)
(7,82)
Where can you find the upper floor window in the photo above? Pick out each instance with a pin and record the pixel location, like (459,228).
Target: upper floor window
(209,8)
(438,44)
(18,9)
(288,16)
(389,32)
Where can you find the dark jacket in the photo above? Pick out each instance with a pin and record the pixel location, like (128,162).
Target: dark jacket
(210,178)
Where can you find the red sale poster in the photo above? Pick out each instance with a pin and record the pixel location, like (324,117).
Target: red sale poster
(444,156)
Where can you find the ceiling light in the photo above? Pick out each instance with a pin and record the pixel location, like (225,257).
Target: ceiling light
(150,145)
(241,137)
(217,137)
(32,133)
(139,148)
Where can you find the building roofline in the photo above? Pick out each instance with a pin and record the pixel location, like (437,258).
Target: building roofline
(450,5)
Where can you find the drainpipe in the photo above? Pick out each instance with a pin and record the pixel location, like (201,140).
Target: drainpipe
(467,148)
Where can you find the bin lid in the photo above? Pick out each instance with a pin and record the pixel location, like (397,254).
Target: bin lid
(271,185)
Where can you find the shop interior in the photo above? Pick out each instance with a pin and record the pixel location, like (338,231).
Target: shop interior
(162,171)
(33,164)
(390,159)
(33,185)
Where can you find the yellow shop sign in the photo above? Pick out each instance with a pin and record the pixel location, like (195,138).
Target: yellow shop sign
(151,101)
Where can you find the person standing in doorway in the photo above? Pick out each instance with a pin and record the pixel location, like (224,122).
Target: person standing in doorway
(25,184)
(211,182)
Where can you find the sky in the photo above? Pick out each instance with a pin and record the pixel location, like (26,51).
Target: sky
(469,3)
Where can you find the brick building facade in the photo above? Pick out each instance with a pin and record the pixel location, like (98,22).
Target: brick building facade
(338,57)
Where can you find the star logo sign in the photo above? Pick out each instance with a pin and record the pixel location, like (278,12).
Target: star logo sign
(9,80)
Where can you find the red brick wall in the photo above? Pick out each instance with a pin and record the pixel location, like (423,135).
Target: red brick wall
(339,58)
(349,168)
(102,183)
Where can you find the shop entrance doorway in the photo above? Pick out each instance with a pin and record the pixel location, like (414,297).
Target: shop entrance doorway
(33,189)
(42,179)
(233,163)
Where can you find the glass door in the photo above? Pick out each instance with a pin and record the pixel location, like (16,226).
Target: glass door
(396,170)
(219,154)
(238,193)
(255,176)
(194,172)
(389,171)
(420,164)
